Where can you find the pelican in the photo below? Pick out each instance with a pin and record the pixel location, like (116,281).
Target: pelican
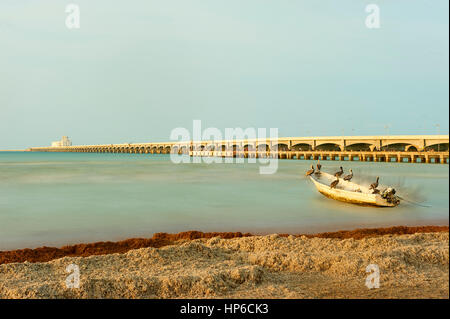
(311,171)
(349,176)
(339,173)
(319,166)
(334,183)
(374,185)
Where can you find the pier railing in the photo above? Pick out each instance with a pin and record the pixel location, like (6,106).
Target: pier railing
(364,156)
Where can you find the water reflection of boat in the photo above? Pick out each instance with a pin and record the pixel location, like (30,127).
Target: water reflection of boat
(346,191)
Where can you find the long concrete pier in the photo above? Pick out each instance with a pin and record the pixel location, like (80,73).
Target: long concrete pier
(403,148)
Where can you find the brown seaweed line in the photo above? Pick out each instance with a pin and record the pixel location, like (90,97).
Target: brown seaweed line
(44,254)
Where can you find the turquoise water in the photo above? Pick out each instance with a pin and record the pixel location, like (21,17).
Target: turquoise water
(65,198)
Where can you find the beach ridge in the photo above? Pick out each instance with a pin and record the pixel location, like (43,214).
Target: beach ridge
(45,254)
(271,266)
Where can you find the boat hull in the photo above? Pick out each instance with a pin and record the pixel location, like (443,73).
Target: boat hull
(354,197)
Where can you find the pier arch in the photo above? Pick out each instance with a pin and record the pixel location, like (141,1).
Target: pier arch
(395,147)
(282,147)
(263,147)
(365,147)
(411,148)
(328,147)
(210,147)
(249,148)
(301,147)
(442,147)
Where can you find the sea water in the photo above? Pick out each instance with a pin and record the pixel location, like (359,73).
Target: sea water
(55,199)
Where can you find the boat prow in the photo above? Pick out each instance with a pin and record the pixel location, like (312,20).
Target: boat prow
(351,192)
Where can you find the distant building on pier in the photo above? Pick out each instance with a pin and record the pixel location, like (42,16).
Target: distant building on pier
(65,141)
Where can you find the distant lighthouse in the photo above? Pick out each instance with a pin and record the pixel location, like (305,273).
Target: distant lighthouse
(65,141)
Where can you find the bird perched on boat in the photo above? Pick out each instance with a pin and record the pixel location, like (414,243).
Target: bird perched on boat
(349,176)
(311,171)
(339,173)
(319,166)
(334,183)
(374,185)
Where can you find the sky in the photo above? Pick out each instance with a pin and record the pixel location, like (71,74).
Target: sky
(135,70)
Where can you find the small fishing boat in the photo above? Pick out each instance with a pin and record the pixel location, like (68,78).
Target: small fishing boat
(350,192)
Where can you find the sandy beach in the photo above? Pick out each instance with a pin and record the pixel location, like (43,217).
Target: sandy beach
(413,263)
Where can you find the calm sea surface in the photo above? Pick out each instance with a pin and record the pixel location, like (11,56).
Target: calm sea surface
(65,198)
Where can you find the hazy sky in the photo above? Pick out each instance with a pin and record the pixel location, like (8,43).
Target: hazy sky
(137,69)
